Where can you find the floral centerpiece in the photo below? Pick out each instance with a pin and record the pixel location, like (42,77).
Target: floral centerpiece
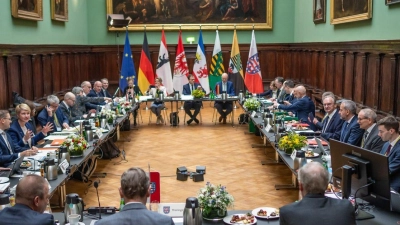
(108,114)
(214,200)
(198,93)
(124,104)
(251,104)
(292,141)
(75,144)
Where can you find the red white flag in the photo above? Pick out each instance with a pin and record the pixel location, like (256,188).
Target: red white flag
(181,70)
(253,78)
(163,66)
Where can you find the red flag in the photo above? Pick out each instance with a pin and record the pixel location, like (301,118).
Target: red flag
(253,78)
(181,70)
(146,73)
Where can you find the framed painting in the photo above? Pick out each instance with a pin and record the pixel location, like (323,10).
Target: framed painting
(389,2)
(319,11)
(191,14)
(59,10)
(27,9)
(344,11)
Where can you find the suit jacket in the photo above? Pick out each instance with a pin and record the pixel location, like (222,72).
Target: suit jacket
(394,164)
(6,158)
(280,96)
(229,88)
(374,142)
(334,127)
(68,113)
(136,213)
(17,134)
(186,88)
(135,89)
(352,133)
(289,98)
(93,105)
(316,209)
(301,107)
(44,118)
(105,93)
(79,108)
(22,214)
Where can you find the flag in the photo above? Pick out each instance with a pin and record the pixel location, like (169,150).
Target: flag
(163,69)
(217,64)
(127,67)
(146,73)
(181,70)
(235,66)
(253,78)
(200,65)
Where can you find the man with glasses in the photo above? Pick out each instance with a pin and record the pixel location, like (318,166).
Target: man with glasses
(9,150)
(66,106)
(32,197)
(351,132)
(196,105)
(331,125)
(53,114)
(370,140)
(105,84)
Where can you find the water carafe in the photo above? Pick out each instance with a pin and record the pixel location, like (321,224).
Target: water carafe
(73,205)
(52,170)
(63,154)
(224,96)
(192,212)
(241,96)
(300,159)
(89,133)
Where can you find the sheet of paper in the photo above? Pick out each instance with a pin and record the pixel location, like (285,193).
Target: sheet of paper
(178,220)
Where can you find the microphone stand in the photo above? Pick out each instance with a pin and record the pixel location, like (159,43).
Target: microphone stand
(96,185)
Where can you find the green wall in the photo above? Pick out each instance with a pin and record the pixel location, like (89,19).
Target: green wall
(20,31)
(283,32)
(384,24)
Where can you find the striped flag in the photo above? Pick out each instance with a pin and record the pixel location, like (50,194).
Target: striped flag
(146,73)
(235,66)
(253,78)
(127,67)
(200,65)
(217,64)
(181,70)
(163,69)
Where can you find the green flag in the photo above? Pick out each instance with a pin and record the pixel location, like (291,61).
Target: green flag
(217,64)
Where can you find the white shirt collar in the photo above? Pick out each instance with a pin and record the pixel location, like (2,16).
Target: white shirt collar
(370,128)
(393,143)
(65,104)
(331,114)
(349,121)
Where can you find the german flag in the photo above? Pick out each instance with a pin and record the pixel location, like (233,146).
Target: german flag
(146,73)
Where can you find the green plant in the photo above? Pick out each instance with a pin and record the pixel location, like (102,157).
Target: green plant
(75,144)
(292,141)
(198,93)
(212,198)
(251,104)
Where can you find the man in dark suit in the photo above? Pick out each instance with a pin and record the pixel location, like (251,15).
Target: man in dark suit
(288,86)
(32,196)
(370,139)
(66,107)
(351,132)
(188,105)
(96,92)
(9,150)
(105,84)
(389,132)
(135,189)
(301,107)
(331,124)
(281,92)
(79,109)
(226,86)
(52,113)
(91,107)
(314,207)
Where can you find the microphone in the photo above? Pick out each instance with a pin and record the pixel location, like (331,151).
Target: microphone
(96,185)
(115,94)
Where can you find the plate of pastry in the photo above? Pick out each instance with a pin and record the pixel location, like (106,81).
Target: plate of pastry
(247,218)
(311,154)
(266,213)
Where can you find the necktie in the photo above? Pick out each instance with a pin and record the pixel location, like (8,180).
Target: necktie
(104,93)
(388,150)
(325,122)
(326,115)
(192,88)
(344,131)
(224,87)
(56,120)
(364,138)
(7,143)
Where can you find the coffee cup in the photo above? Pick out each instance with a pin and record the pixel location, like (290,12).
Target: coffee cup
(74,219)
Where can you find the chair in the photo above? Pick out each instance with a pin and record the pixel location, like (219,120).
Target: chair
(163,114)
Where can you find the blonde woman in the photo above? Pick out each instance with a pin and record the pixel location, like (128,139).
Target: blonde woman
(157,105)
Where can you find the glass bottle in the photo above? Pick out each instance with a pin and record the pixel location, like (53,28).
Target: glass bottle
(121,204)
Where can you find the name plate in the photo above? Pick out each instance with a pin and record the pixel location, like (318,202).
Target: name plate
(171,209)
(268,128)
(293,155)
(253,114)
(63,166)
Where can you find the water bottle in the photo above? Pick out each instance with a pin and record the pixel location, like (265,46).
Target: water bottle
(121,204)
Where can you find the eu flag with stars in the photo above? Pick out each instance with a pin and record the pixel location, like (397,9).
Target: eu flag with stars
(127,68)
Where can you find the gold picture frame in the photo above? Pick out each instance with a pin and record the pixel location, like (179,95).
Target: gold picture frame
(59,10)
(27,9)
(209,14)
(350,11)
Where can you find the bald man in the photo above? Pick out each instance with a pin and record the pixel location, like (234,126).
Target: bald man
(32,197)
(66,107)
(224,108)
(95,92)
(370,140)
(301,107)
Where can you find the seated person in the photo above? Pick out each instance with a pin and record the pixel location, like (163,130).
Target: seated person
(21,130)
(87,87)
(331,124)
(351,132)
(9,150)
(53,114)
(314,207)
(389,132)
(226,86)
(135,189)
(32,197)
(280,92)
(288,87)
(104,83)
(66,107)
(132,90)
(97,92)
(79,109)
(272,92)
(196,105)
(157,105)
(370,139)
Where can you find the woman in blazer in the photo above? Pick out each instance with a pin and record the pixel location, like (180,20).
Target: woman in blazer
(157,105)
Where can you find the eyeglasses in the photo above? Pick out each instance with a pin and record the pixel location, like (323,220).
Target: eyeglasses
(7,119)
(359,118)
(327,104)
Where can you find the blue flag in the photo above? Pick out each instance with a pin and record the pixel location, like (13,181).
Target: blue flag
(127,68)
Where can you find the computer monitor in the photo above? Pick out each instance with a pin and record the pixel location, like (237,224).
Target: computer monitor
(354,167)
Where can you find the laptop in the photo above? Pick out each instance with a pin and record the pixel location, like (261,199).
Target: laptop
(15,168)
(321,147)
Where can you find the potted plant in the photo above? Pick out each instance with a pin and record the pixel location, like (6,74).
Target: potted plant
(251,104)
(198,93)
(214,201)
(75,144)
(292,141)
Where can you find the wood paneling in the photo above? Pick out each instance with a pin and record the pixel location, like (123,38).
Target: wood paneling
(372,78)
(338,74)
(348,85)
(330,79)
(359,77)
(3,80)
(38,83)
(26,76)
(386,89)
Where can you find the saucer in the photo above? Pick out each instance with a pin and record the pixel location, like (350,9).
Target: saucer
(79,223)
(4,180)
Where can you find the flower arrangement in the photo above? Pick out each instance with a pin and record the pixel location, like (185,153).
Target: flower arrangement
(75,144)
(251,104)
(124,104)
(214,200)
(198,93)
(108,114)
(292,141)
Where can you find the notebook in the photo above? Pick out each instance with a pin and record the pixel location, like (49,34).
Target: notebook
(57,142)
